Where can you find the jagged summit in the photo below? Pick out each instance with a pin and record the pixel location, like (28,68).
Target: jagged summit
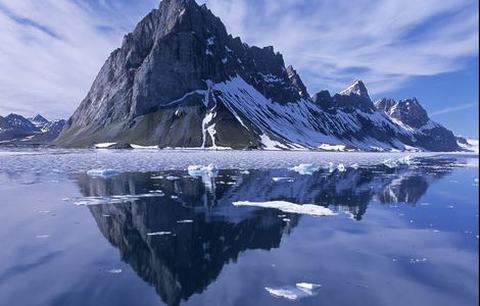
(297,82)
(357,88)
(38,120)
(408,111)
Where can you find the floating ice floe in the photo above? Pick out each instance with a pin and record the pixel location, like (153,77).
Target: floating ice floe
(172,178)
(135,146)
(185,221)
(104,145)
(282,179)
(393,163)
(293,293)
(199,171)
(105,173)
(116,199)
(305,209)
(329,147)
(159,233)
(305,169)
(417,260)
(115,271)
(341,167)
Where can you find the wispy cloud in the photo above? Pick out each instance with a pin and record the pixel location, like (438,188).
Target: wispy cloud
(51,50)
(454,109)
(383,42)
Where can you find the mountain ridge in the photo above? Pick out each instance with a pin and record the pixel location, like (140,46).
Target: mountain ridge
(15,129)
(180,80)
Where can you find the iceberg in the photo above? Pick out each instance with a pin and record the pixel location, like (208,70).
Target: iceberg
(305,169)
(305,209)
(159,233)
(200,171)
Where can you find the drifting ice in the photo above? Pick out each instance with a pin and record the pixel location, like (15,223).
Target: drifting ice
(199,171)
(305,169)
(306,209)
(105,173)
(301,290)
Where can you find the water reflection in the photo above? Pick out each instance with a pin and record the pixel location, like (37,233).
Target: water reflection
(192,256)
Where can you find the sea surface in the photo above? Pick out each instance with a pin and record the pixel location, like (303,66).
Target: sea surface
(150,227)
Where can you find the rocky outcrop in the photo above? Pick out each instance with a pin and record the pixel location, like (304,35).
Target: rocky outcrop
(413,116)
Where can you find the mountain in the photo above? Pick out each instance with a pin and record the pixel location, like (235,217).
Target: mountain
(39,121)
(180,80)
(16,129)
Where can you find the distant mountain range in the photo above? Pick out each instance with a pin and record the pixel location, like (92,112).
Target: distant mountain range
(180,80)
(16,130)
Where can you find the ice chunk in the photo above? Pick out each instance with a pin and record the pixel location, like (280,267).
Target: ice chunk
(306,209)
(185,221)
(143,147)
(116,199)
(115,271)
(308,286)
(280,179)
(104,145)
(105,173)
(293,293)
(390,163)
(159,233)
(305,169)
(199,171)
(329,147)
(289,293)
(341,168)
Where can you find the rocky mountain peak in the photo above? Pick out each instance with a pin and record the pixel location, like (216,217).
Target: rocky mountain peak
(357,88)
(408,111)
(323,99)
(38,120)
(297,82)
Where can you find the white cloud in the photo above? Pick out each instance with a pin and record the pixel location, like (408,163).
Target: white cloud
(51,50)
(382,42)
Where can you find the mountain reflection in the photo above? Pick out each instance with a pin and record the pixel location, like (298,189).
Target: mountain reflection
(207,231)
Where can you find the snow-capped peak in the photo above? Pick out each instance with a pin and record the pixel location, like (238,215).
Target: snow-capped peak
(38,120)
(357,88)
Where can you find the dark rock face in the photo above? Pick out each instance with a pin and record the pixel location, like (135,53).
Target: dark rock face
(180,80)
(16,129)
(297,82)
(408,111)
(433,136)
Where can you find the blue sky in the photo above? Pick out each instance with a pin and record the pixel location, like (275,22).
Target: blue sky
(51,50)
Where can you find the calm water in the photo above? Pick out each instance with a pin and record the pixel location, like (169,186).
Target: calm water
(153,234)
